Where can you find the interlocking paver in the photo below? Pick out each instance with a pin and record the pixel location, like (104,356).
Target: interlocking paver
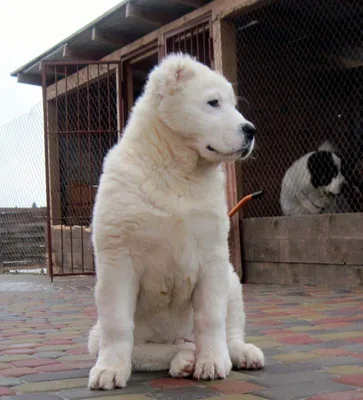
(5,391)
(8,382)
(355,379)
(50,354)
(310,337)
(302,390)
(349,395)
(51,386)
(34,396)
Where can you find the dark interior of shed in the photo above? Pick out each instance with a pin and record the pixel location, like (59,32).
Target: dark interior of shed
(300,70)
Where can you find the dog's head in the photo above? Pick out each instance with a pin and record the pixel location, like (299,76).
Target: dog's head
(200,105)
(325,171)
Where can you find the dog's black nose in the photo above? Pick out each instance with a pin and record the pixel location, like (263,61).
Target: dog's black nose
(249,130)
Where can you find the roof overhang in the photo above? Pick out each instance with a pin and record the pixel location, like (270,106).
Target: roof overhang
(123,24)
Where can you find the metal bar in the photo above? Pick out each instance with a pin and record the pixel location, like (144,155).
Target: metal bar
(89,137)
(99,121)
(197,38)
(191,42)
(84,62)
(179,41)
(92,131)
(204,47)
(109,105)
(120,120)
(45,118)
(80,162)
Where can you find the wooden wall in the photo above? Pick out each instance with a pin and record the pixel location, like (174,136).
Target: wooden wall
(312,250)
(22,237)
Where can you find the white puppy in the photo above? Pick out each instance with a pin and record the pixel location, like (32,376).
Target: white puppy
(312,183)
(166,293)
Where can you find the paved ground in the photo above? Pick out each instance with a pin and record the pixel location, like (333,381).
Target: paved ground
(313,340)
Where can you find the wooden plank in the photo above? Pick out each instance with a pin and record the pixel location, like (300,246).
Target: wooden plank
(143,15)
(313,250)
(344,226)
(70,53)
(103,36)
(190,3)
(305,274)
(228,8)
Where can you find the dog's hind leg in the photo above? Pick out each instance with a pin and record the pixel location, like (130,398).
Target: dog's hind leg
(178,359)
(243,355)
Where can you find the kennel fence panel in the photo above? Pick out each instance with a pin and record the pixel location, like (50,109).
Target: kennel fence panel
(82,121)
(299,70)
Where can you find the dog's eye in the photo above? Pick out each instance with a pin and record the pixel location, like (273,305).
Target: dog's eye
(214,103)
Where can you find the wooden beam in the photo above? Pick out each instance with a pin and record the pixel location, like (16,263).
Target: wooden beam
(190,3)
(29,79)
(228,8)
(73,54)
(225,61)
(103,36)
(143,15)
(54,163)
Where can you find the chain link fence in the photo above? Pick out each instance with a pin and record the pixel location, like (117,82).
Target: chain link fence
(299,76)
(22,194)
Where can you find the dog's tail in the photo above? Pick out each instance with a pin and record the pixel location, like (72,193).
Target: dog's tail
(328,146)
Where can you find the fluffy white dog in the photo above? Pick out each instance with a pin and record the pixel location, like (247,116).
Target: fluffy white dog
(312,183)
(166,293)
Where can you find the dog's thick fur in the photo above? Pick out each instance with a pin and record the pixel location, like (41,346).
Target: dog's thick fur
(166,294)
(312,183)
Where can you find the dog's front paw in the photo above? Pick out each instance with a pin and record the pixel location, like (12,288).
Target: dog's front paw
(182,364)
(212,364)
(109,378)
(246,356)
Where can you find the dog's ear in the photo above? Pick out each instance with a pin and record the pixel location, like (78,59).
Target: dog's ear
(174,72)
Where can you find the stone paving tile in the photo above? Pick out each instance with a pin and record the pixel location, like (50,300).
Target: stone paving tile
(351,379)
(184,394)
(16,372)
(51,386)
(311,338)
(8,382)
(50,354)
(53,376)
(234,387)
(328,362)
(346,369)
(34,396)
(302,390)
(291,378)
(5,391)
(349,395)
(84,393)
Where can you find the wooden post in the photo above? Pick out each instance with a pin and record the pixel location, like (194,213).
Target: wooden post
(54,163)
(225,61)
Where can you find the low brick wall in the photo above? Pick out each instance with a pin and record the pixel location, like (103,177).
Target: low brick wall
(72,249)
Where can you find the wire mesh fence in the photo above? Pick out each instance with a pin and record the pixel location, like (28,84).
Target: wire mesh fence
(83,122)
(22,194)
(299,70)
